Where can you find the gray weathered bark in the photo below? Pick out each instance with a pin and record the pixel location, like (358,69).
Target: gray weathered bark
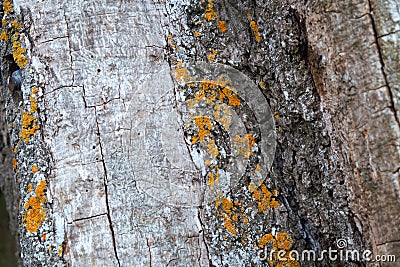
(112,161)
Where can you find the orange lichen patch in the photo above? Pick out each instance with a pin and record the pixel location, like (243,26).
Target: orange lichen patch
(213,180)
(232,212)
(7,7)
(254,28)
(33,104)
(222,26)
(14,163)
(262,85)
(243,145)
(34,169)
(212,148)
(227,205)
(222,115)
(227,93)
(30,188)
(277,116)
(16,25)
(4,36)
(34,90)
(60,250)
(197,34)
(211,55)
(210,12)
(266,239)
(4,22)
(194,139)
(18,54)
(204,125)
(230,227)
(171,41)
(29,126)
(248,15)
(35,214)
(181,73)
(40,188)
(282,242)
(265,199)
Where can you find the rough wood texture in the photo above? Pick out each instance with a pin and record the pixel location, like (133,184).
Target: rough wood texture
(119,137)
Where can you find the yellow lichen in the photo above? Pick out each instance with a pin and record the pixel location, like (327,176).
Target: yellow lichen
(18,54)
(277,116)
(230,227)
(4,36)
(34,169)
(213,180)
(4,22)
(44,237)
(35,214)
(197,34)
(222,115)
(243,145)
(254,28)
(60,250)
(211,55)
(30,188)
(204,125)
(33,104)
(34,90)
(16,25)
(222,26)
(181,73)
(227,205)
(265,199)
(7,7)
(281,242)
(227,93)
(210,12)
(14,163)
(212,148)
(29,126)
(171,41)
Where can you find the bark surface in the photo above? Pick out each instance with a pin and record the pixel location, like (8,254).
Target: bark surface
(121,149)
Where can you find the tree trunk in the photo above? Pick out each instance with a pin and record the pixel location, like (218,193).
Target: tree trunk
(200,132)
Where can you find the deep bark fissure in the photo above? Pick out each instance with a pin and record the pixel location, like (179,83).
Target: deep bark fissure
(149,248)
(379,50)
(106,189)
(204,238)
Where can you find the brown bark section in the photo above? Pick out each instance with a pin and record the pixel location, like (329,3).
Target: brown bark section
(356,75)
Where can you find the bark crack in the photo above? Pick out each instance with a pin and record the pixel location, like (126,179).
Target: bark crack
(106,190)
(203,235)
(375,31)
(69,47)
(148,246)
(87,218)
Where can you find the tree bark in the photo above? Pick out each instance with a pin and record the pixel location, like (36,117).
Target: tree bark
(200,132)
